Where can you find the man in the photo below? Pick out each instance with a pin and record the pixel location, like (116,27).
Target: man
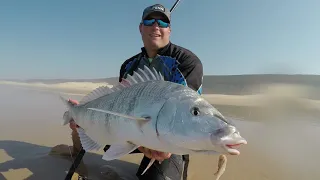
(178,65)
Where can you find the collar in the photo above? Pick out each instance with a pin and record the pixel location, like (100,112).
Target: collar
(161,51)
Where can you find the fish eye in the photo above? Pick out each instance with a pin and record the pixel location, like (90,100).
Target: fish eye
(195,111)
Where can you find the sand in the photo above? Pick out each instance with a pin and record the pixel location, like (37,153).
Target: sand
(34,145)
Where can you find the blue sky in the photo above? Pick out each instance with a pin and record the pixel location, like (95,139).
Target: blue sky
(91,39)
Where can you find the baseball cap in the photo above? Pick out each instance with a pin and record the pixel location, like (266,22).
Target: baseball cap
(156,8)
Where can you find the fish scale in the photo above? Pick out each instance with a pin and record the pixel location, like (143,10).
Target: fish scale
(124,101)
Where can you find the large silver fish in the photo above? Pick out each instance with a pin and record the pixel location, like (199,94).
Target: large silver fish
(144,110)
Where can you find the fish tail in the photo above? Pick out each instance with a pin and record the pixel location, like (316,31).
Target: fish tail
(66,102)
(66,115)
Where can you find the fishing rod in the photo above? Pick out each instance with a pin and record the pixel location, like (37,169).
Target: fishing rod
(174,5)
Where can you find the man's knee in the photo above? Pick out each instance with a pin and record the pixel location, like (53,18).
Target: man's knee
(170,168)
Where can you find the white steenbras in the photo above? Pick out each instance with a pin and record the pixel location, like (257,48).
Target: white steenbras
(145,110)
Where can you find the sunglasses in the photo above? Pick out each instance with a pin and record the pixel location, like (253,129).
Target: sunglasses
(150,22)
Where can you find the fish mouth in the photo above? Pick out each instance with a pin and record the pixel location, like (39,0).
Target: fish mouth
(229,146)
(229,139)
(232,148)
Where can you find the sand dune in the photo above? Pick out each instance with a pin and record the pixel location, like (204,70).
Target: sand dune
(83,87)
(268,93)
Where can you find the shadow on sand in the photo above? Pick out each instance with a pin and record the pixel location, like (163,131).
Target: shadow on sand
(36,162)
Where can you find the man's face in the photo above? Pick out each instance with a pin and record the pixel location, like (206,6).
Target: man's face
(155,37)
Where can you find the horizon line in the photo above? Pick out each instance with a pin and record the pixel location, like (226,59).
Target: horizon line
(99,78)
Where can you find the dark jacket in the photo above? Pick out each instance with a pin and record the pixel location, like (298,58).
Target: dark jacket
(175,63)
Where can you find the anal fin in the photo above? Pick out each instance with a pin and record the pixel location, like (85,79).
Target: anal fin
(87,143)
(118,150)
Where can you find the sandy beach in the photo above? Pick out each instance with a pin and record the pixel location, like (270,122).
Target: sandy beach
(282,144)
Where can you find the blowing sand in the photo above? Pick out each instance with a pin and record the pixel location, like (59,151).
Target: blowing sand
(34,145)
(76,88)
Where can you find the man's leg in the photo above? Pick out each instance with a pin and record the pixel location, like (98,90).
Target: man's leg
(76,145)
(186,166)
(169,169)
(76,148)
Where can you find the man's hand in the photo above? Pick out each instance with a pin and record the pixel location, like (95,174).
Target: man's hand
(160,156)
(72,124)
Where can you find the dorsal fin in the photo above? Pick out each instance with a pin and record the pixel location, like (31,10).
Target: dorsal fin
(99,92)
(137,77)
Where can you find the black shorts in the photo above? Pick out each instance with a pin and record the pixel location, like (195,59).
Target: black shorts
(170,169)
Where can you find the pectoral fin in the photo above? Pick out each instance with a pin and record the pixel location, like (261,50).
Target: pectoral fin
(118,150)
(119,114)
(140,120)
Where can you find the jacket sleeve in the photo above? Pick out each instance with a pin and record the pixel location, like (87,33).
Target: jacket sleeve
(122,71)
(193,72)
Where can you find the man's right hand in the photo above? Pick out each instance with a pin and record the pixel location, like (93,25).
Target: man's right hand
(73,125)
(75,102)
(152,154)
